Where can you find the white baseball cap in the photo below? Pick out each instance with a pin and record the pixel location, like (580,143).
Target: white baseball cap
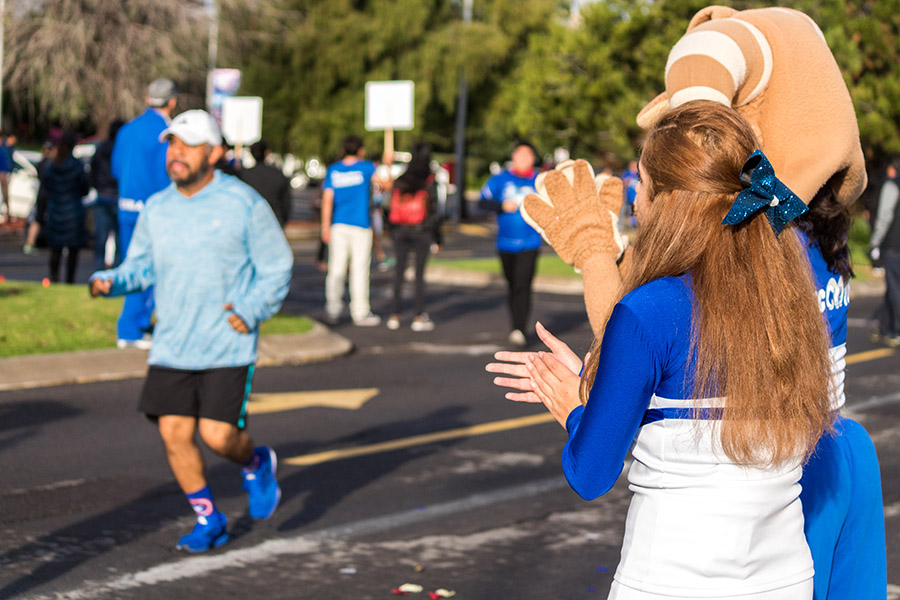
(194,128)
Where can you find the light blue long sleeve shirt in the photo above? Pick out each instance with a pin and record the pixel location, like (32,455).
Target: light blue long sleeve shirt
(222,245)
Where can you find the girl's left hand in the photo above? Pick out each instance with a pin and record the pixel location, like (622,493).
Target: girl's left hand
(554,384)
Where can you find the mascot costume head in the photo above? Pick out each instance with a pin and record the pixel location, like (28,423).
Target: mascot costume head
(774,67)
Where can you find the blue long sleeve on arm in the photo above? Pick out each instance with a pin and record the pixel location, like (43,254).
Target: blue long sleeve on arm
(272,261)
(136,271)
(601,433)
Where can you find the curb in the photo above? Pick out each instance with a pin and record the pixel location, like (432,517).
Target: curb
(574,286)
(549,284)
(91,366)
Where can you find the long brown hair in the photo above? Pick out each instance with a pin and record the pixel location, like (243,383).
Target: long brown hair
(759,338)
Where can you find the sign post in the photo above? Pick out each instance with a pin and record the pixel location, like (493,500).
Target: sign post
(389,107)
(242,121)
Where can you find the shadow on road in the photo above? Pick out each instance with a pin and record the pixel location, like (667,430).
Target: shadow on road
(326,484)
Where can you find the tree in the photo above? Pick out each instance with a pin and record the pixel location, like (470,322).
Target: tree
(310,60)
(77,60)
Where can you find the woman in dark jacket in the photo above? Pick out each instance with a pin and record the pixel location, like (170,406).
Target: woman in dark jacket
(414,227)
(66,184)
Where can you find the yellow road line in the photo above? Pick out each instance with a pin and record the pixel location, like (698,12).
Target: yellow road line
(474,430)
(418,440)
(869,355)
(473,229)
(344,399)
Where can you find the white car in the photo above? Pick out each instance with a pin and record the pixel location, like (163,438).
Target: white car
(23,183)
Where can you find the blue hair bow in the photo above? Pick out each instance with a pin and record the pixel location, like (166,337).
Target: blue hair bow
(763,189)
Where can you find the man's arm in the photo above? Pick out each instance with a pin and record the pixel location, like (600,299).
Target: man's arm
(136,271)
(272,261)
(887,205)
(327,209)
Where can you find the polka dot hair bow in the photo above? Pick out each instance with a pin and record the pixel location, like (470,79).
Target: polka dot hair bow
(764,191)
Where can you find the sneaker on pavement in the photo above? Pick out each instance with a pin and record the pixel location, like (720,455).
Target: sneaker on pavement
(144,343)
(209,532)
(891,341)
(370,320)
(263,493)
(422,323)
(517,338)
(393,322)
(385,265)
(332,319)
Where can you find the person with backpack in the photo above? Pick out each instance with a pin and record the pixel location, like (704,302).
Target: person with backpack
(415,223)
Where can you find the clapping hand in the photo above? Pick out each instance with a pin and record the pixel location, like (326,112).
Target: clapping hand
(549,378)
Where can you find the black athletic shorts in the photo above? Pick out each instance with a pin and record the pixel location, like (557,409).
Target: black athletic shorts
(217,394)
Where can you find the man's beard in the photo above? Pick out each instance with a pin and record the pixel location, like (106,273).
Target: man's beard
(194,176)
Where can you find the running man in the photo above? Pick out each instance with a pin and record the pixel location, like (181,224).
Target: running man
(221,266)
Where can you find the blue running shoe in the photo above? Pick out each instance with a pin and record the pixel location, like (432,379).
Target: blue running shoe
(263,493)
(209,532)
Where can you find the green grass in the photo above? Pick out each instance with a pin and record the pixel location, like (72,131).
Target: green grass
(64,318)
(548,264)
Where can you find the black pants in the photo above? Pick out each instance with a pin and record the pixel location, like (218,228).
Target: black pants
(889,315)
(406,239)
(518,269)
(71,263)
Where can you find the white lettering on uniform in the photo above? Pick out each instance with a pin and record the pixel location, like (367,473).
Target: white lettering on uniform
(343,179)
(835,295)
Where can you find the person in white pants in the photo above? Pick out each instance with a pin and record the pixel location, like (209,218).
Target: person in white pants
(346,228)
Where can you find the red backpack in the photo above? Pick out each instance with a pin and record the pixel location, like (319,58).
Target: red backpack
(408,209)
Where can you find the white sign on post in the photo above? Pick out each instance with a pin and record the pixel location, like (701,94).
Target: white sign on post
(389,105)
(242,119)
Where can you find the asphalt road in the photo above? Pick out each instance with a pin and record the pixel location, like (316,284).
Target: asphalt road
(88,507)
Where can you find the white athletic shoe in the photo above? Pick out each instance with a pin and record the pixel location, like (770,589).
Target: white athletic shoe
(370,320)
(143,344)
(422,323)
(393,323)
(517,338)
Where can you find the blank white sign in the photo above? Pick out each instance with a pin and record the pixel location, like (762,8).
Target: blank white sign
(389,105)
(242,119)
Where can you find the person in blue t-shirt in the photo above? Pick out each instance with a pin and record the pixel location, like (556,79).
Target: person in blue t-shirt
(517,242)
(346,228)
(630,179)
(139,165)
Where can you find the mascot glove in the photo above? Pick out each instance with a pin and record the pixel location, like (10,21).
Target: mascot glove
(576,212)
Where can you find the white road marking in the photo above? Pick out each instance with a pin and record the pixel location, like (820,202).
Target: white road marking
(302,544)
(424,348)
(873,402)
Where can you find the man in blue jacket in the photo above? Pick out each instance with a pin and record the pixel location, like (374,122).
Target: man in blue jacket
(139,165)
(221,266)
(517,242)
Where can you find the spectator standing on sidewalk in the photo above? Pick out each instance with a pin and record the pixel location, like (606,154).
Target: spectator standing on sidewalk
(222,266)
(269,182)
(517,242)
(415,224)
(139,166)
(106,211)
(884,246)
(39,210)
(347,229)
(66,183)
(7,165)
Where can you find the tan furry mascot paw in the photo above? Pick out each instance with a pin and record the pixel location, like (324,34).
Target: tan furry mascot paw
(577,214)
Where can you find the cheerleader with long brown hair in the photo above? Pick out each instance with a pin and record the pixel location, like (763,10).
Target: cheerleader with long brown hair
(714,362)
